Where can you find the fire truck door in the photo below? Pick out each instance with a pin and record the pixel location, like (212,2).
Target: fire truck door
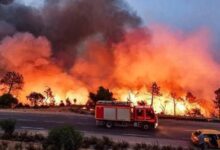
(140,114)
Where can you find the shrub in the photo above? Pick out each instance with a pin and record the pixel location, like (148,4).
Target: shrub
(137,146)
(65,138)
(7,101)
(180,148)
(18,146)
(30,146)
(155,147)
(8,126)
(107,141)
(25,137)
(99,145)
(19,105)
(86,142)
(4,145)
(93,140)
(121,145)
(144,146)
(124,145)
(22,136)
(167,148)
(39,138)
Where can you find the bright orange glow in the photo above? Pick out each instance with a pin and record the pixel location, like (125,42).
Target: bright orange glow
(163,103)
(177,62)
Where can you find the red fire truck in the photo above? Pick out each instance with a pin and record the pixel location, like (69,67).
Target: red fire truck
(109,114)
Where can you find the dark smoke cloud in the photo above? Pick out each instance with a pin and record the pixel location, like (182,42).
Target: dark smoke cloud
(23,18)
(6,2)
(66,23)
(6,29)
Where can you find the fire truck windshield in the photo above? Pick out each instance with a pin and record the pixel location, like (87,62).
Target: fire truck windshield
(150,113)
(140,112)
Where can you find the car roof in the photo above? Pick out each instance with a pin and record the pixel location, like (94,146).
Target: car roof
(209,131)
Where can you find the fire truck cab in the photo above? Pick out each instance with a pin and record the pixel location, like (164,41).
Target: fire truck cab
(109,114)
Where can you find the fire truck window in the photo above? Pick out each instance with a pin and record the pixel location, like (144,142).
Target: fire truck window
(140,112)
(150,113)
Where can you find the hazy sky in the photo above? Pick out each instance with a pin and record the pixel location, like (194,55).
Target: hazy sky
(186,15)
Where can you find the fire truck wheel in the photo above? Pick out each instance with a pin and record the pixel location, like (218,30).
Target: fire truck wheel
(109,124)
(146,127)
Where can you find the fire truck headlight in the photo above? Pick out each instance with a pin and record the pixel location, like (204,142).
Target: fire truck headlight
(156,125)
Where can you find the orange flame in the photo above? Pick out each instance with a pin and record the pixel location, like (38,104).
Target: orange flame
(176,61)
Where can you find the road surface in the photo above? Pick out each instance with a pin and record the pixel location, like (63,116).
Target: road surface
(168,129)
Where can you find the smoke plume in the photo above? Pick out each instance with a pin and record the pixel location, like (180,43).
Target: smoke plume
(74,46)
(67,23)
(6,2)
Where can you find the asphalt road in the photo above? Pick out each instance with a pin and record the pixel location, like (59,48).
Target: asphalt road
(168,129)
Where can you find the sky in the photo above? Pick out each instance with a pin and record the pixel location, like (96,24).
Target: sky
(184,15)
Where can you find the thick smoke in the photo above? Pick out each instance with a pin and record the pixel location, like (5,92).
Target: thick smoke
(67,23)
(6,2)
(94,41)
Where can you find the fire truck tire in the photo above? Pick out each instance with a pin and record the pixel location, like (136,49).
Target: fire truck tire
(109,124)
(146,126)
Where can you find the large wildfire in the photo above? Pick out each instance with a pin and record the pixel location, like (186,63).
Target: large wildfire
(75,46)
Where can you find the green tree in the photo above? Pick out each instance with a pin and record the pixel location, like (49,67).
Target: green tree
(7,101)
(35,98)
(8,125)
(101,94)
(63,138)
(155,91)
(217,101)
(13,80)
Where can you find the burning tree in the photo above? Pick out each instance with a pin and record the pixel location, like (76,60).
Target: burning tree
(194,112)
(155,91)
(217,101)
(163,106)
(174,96)
(74,101)
(35,98)
(101,94)
(61,103)
(142,103)
(68,102)
(13,80)
(50,96)
(190,97)
(129,99)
